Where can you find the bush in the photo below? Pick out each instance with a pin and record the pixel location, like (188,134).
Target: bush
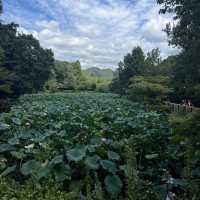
(148,89)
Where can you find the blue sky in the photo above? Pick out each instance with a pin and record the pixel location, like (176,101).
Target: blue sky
(96,32)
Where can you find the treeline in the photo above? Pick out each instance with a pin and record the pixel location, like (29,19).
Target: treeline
(144,77)
(177,78)
(70,76)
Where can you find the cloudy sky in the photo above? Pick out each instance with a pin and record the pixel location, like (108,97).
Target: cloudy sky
(96,32)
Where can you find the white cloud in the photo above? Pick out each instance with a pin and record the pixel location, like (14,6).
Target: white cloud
(100,34)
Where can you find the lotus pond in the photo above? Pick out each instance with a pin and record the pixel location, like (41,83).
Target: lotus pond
(100,143)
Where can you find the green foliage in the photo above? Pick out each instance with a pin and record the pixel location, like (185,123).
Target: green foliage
(149,88)
(153,58)
(113,185)
(68,75)
(5,82)
(132,177)
(76,154)
(51,85)
(25,59)
(133,64)
(187,137)
(78,137)
(185,35)
(143,78)
(96,79)
(106,74)
(48,190)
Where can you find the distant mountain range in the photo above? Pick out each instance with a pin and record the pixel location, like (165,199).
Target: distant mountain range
(100,73)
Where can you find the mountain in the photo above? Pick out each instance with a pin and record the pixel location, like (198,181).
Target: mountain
(100,73)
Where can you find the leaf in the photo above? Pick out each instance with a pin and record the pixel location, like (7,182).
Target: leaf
(13,141)
(124,168)
(92,148)
(18,155)
(42,172)
(113,156)
(30,167)
(151,156)
(2,165)
(16,121)
(76,154)
(56,160)
(62,172)
(92,162)
(4,127)
(6,147)
(113,184)
(109,166)
(8,171)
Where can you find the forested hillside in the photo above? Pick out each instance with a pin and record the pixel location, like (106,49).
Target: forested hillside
(71,76)
(100,73)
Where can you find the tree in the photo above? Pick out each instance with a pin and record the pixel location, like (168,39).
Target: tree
(68,75)
(185,35)
(133,64)
(153,57)
(5,83)
(25,58)
(151,89)
(152,62)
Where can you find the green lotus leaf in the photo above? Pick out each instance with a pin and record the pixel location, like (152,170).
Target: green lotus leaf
(76,154)
(42,172)
(113,184)
(16,121)
(30,167)
(18,155)
(6,147)
(93,162)
(124,168)
(56,160)
(62,172)
(113,156)
(4,126)
(109,166)
(13,141)
(8,171)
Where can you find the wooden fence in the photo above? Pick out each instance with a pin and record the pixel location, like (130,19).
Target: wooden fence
(181,107)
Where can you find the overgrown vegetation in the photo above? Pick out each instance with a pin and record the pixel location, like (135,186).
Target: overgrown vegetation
(182,71)
(106,146)
(76,145)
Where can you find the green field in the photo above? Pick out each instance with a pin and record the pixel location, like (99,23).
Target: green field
(107,146)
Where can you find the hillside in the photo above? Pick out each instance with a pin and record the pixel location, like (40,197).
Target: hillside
(101,73)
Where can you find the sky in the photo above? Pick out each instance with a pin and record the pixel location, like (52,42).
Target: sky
(98,33)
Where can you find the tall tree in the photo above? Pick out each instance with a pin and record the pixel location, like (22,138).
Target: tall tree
(153,57)
(133,64)
(25,58)
(185,35)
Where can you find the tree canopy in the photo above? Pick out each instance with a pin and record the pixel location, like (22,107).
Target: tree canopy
(185,35)
(24,58)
